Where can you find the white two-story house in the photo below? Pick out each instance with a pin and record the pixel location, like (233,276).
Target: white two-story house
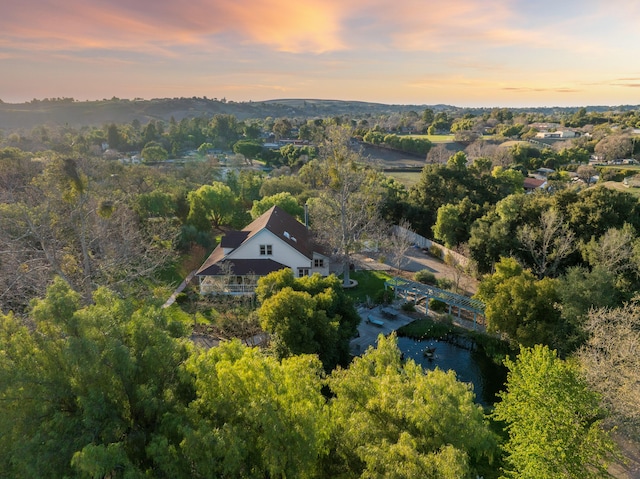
(274,241)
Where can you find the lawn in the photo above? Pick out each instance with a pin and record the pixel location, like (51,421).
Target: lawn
(370,285)
(407,178)
(619,167)
(435,138)
(618,185)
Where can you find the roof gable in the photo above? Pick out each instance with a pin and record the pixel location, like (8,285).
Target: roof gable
(285,227)
(533,183)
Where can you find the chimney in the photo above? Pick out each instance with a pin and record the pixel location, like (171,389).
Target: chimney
(306,215)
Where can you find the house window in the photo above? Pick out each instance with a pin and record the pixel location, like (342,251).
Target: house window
(318,263)
(303,272)
(266,250)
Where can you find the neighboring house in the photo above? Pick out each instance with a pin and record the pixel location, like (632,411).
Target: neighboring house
(545,172)
(274,241)
(559,134)
(532,184)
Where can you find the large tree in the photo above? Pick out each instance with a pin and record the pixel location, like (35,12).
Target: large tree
(77,222)
(347,212)
(254,416)
(454,220)
(547,243)
(611,362)
(614,147)
(89,392)
(250,149)
(553,419)
(210,206)
(283,200)
(391,419)
(307,315)
(520,305)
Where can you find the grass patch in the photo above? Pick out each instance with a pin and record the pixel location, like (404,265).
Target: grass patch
(435,138)
(617,185)
(170,274)
(428,328)
(510,143)
(619,167)
(370,285)
(407,178)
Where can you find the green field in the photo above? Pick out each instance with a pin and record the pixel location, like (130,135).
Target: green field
(617,185)
(619,167)
(407,178)
(447,138)
(435,138)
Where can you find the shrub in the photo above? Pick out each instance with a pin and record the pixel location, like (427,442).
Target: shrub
(435,250)
(182,298)
(437,305)
(409,307)
(444,283)
(425,276)
(449,259)
(611,175)
(383,296)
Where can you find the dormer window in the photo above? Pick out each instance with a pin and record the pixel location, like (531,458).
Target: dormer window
(266,250)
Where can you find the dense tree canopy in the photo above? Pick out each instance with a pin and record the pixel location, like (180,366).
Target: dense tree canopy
(94,385)
(520,305)
(88,391)
(254,416)
(553,419)
(307,315)
(393,420)
(81,223)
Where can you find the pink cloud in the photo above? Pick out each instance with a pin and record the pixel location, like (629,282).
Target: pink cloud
(415,25)
(94,24)
(297,26)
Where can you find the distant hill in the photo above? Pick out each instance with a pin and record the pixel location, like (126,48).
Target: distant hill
(66,111)
(88,113)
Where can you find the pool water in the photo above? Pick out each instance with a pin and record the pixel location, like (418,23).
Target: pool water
(472,367)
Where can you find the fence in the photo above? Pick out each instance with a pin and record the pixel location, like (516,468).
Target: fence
(423,242)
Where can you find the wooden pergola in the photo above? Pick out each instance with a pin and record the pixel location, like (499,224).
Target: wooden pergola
(415,292)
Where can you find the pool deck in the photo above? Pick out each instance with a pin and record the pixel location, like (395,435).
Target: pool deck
(380,320)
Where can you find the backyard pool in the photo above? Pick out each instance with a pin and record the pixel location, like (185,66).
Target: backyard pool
(470,366)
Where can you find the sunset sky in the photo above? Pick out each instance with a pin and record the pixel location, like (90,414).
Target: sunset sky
(459,52)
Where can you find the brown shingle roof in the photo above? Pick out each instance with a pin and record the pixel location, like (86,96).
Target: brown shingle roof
(241,267)
(279,222)
(533,183)
(233,239)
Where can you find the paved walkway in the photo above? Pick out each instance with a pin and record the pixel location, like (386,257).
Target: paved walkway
(368,332)
(179,289)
